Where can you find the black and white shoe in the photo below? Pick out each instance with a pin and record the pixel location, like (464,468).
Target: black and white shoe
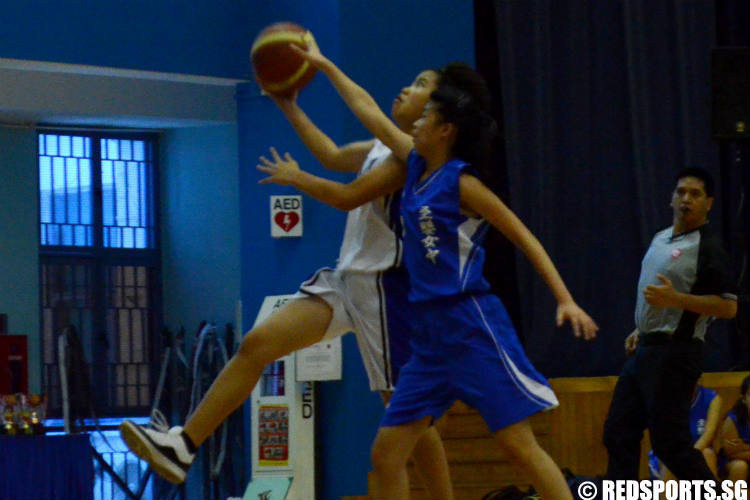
(164,450)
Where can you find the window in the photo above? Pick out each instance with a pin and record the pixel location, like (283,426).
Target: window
(100,262)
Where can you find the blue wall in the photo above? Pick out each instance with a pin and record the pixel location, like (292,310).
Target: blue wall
(19,259)
(200,217)
(201,37)
(384,45)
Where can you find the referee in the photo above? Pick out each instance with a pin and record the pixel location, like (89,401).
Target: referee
(684,281)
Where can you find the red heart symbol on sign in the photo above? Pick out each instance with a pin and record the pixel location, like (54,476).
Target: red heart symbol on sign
(286,220)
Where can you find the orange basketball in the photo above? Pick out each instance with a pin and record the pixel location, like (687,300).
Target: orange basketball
(278,69)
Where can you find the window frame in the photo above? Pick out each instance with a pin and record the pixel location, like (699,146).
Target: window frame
(102,258)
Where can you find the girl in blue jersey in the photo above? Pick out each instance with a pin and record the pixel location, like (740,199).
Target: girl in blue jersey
(464,346)
(735,437)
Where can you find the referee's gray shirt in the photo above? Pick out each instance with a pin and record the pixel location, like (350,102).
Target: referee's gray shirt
(695,263)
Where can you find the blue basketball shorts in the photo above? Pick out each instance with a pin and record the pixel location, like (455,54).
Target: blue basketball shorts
(465,348)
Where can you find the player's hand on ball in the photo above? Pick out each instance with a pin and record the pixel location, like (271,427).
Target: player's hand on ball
(284,102)
(278,69)
(280,171)
(311,52)
(280,100)
(581,322)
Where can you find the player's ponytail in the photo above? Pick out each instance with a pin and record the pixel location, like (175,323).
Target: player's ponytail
(463,98)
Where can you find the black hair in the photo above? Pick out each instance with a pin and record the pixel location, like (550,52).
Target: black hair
(463,99)
(462,76)
(699,173)
(740,407)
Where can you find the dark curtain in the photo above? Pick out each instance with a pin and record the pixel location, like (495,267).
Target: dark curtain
(602,104)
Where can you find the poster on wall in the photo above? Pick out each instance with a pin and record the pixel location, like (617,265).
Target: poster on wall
(273,435)
(321,361)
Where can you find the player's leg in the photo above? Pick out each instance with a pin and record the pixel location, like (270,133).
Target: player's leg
(421,397)
(393,309)
(518,441)
(430,461)
(495,376)
(737,470)
(390,452)
(300,323)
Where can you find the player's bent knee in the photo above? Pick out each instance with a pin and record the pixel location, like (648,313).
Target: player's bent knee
(739,468)
(257,347)
(518,443)
(384,455)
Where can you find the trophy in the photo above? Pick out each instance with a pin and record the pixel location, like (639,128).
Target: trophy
(8,414)
(37,412)
(23,415)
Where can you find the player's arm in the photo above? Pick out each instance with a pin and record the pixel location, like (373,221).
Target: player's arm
(346,158)
(386,178)
(734,447)
(665,295)
(361,103)
(479,199)
(713,419)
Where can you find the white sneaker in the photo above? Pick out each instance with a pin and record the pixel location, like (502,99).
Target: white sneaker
(165,452)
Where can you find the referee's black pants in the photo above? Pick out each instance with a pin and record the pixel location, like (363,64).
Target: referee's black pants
(655,391)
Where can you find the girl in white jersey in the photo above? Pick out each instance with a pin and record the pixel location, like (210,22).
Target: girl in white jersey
(358,296)
(464,345)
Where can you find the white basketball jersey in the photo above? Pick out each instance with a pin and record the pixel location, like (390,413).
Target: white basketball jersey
(369,243)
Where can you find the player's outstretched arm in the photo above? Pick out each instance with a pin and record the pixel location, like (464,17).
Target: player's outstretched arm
(386,178)
(361,103)
(346,158)
(479,199)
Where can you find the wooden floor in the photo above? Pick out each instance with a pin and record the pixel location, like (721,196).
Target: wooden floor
(571,434)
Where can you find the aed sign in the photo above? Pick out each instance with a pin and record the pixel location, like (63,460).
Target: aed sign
(286,216)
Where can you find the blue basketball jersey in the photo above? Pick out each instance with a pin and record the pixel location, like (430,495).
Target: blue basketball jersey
(463,342)
(442,245)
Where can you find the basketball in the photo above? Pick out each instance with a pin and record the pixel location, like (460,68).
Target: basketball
(278,69)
